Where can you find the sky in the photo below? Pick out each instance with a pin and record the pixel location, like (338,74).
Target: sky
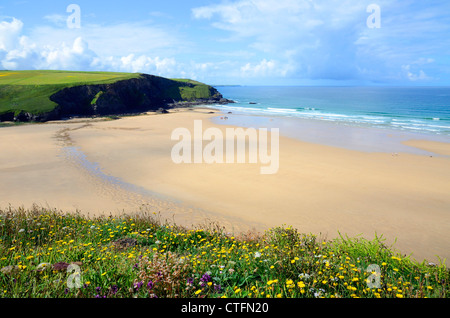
(235,42)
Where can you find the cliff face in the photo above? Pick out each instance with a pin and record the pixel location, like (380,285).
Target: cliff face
(146,93)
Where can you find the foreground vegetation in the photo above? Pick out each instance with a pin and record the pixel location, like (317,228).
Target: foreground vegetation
(51,254)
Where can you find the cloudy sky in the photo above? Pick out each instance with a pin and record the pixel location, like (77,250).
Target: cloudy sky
(246,42)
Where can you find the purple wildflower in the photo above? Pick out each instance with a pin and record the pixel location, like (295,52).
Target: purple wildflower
(138,286)
(150,285)
(114,289)
(205,279)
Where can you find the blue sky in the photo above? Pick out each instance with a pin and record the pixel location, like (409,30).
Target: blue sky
(246,42)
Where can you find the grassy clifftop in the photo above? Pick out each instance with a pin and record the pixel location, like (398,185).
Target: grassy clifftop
(42,95)
(24,78)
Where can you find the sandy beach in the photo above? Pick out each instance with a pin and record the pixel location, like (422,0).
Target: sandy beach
(124,166)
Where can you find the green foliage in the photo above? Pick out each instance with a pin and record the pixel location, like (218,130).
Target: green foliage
(195,90)
(94,101)
(140,256)
(27,98)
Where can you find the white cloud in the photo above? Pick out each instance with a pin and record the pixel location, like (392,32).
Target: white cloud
(77,56)
(63,49)
(116,39)
(248,40)
(10,34)
(316,38)
(124,47)
(418,76)
(146,64)
(23,56)
(265,68)
(329,39)
(20,52)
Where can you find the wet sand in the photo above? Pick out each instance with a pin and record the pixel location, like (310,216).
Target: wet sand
(125,166)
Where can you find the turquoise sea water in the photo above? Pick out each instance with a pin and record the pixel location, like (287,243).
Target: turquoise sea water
(412,109)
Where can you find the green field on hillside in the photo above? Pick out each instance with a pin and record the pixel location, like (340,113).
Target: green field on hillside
(61,77)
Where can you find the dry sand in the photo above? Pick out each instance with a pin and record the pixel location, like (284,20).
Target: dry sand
(318,189)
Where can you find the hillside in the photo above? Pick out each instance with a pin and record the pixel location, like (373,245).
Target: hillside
(49,95)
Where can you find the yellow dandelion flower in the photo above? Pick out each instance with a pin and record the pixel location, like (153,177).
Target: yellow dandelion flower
(301,285)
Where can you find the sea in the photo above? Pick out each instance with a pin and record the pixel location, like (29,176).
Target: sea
(414,112)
